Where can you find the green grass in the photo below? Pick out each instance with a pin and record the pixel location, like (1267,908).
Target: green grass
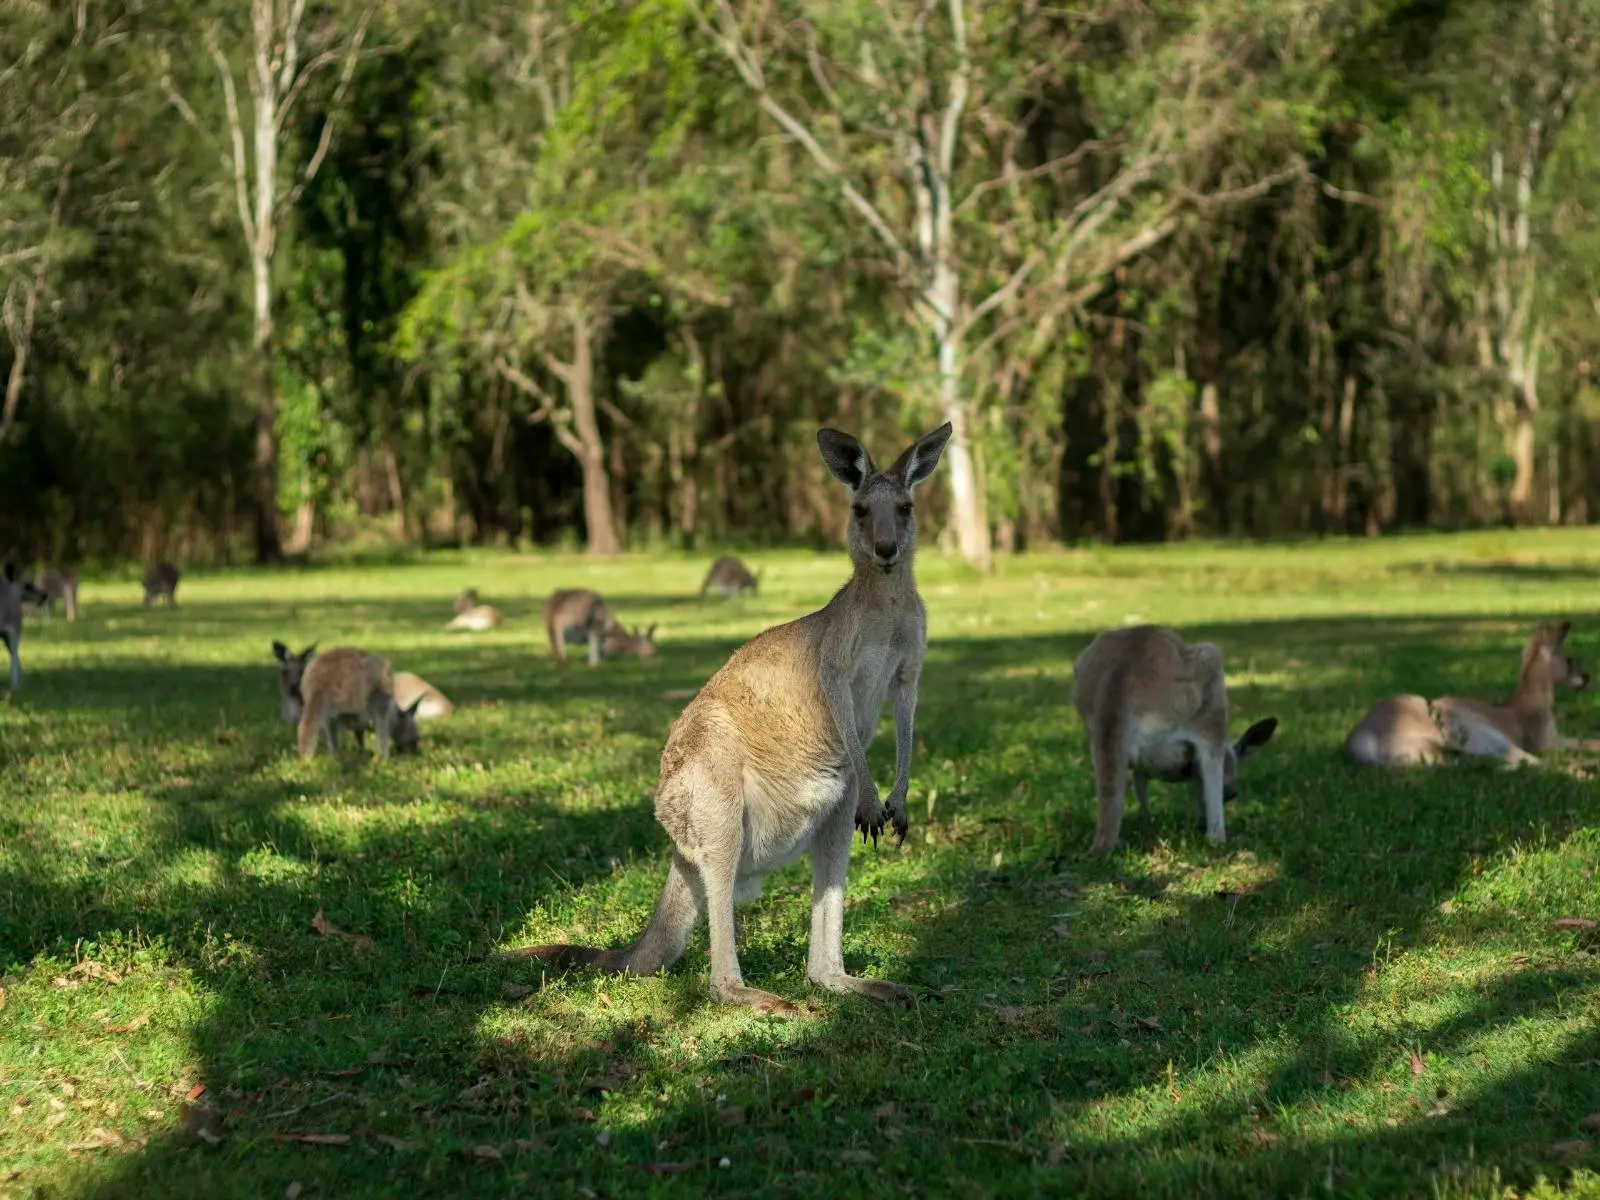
(1362,994)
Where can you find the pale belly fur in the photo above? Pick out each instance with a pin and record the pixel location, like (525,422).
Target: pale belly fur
(1157,748)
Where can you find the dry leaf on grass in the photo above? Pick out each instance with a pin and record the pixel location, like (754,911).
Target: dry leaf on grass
(477,1091)
(312,1139)
(195,1092)
(395,1143)
(515,991)
(1151,1023)
(327,928)
(1571,1149)
(1575,923)
(486,1154)
(292,1192)
(1416,1063)
(138,1022)
(88,969)
(1591,1123)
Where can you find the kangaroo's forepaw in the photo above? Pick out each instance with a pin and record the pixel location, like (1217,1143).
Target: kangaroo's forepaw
(897,815)
(869,819)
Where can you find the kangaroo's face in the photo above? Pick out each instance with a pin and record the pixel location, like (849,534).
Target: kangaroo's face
(883,518)
(403,729)
(1257,736)
(291,671)
(1550,658)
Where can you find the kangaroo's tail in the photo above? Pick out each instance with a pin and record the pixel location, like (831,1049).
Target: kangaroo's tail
(657,948)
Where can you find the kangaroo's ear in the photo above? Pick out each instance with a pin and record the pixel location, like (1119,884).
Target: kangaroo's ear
(650,634)
(1257,736)
(846,458)
(308,653)
(11,569)
(411,709)
(1560,632)
(919,460)
(280,651)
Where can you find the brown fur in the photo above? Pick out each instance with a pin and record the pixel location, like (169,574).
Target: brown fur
(1158,707)
(467,599)
(16,593)
(768,761)
(415,700)
(576,616)
(1407,730)
(619,643)
(57,583)
(161,580)
(728,577)
(346,683)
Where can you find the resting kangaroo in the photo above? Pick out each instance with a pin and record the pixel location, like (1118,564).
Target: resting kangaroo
(1160,707)
(619,643)
(346,685)
(467,599)
(728,577)
(576,616)
(161,580)
(477,619)
(1404,730)
(15,592)
(768,761)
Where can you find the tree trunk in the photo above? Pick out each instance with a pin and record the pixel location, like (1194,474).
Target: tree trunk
(305,521)
(397,493)
(268,546)
(579,379)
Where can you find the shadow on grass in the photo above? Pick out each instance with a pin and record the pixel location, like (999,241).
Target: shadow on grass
(1172,1042)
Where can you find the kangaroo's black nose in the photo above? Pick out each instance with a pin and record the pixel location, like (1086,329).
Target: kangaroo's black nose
(885,550)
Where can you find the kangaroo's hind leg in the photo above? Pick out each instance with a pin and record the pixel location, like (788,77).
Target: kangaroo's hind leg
(830,862)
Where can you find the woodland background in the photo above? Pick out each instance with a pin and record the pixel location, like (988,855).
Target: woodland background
(280,273)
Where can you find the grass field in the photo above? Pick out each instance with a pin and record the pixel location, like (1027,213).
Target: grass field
(1362,994)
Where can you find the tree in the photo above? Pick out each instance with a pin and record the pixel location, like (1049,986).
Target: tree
(285,55)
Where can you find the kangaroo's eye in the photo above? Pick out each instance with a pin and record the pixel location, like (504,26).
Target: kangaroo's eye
(905,509)
(860,511)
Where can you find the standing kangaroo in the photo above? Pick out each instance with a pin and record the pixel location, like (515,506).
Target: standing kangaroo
(15,592)
(768,761)
(1404,730)
(578,615)
(161,580)
(728,577)
(58,583)
(1160,707)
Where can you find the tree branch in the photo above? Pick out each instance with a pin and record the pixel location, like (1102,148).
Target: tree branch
(241,186)
(749,70)
(352,54)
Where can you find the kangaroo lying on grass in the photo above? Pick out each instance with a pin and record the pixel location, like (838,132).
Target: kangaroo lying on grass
(477,619)
(619,643)
(1406,730)
(348,686)
(15,592)
(768,761)
(728,577)
(1160,707)
(415,700)
(575,616)
(57,583)
(161,580)
(467,599)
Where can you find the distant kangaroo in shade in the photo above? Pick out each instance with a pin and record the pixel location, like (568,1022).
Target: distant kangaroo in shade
(58,583)
(576,616)
(728,577)
(768,761)
(15,593)
(161,580)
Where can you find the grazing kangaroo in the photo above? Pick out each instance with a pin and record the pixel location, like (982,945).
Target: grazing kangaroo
(161,580)
(1406,730)
(57,583)
(415,700)
(1160,708)
(619,643)
(578,615)
(347,683)
(467,599)
(15,593)
(477,619)
(768,761)
(728,577)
